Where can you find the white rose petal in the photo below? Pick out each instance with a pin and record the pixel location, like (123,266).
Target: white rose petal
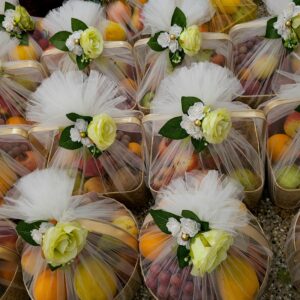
(164,40)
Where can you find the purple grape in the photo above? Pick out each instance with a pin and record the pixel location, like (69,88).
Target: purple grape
(151,283)
(164,278)
(162,292)
(188,288)
(155,269)
(176,280)
(186,297)
(174,291)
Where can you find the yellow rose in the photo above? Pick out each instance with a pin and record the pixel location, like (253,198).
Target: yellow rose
(102,131)
(63,242)
(216,126)
(190,40)
(208,250)
(23,19)
(91,42)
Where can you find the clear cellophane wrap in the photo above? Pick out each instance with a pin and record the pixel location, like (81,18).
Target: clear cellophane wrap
(11,284)
(292,251)
(283,144)
(18,157)
(120,168)
(153,67)
(243,271)
(241,155)
(116,61)
(230,13)
(18,78)
(107,264)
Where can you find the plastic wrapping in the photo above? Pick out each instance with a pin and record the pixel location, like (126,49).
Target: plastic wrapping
(262,47)
(292,249)
(118,171)
(240,155)
(236,263)
(115,61)
(154,62)
(229,13)
(283,144)
(18,157)
(11,284)
(98,254)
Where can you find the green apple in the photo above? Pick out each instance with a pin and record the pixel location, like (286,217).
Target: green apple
(247,179)
(147,99)
(288,177)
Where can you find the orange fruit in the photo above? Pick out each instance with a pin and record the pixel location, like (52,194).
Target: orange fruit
(7,178)
(228,6)
(135,148)
(277,145)
(204,28)
(7,270)
(237,279)
(114,32)
(30,259)
(23,52)
(15,120)
(152,242)
(50,286)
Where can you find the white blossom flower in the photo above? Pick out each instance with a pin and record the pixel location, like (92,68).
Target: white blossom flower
(281,24)
(72,43)
(197,111)
(81,125)
(184,227)
(170,39)
(76,133)
(8,22)
(45,226)
(86,142)
(191,128)
(37,236)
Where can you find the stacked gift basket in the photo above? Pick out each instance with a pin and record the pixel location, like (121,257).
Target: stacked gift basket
(141,142)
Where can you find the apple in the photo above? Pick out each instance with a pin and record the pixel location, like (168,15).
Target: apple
(95,184)
(147,99)
(28,160)
(118,12)
(264,66)
(92,168)
(126,223)
(292,124)
(288,177)
(246,178)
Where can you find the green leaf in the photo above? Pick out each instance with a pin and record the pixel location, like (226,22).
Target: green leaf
(24,40)
(204,226)
(271,32)
(74,117)
(161,219)
(95,151)
(154,45)
(1,20)
(81,63)
(176,58)
(52,268)
(58,40)
(8,6)
(173,130)
(24,230)
(183,256)
(66,142)
(199,145)
(187,102)
(78,25)
(190,215)
(178,18)
(297,2)
(297,109)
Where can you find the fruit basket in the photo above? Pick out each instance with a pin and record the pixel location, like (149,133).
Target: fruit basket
(215,48)
(262,48)
(18,156)
(239,153)
(292,251)
(70,28)
(173,39)
(283,147)
(229,13)
(191,249)
(100,252)
(11,284)
(113,164)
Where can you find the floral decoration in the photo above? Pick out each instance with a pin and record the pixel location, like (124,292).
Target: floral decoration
(85,43)
(96,133)
(180,40)
(17,22)
(198,245)
(203,124)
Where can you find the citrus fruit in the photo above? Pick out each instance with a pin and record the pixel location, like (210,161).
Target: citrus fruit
(277,145)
